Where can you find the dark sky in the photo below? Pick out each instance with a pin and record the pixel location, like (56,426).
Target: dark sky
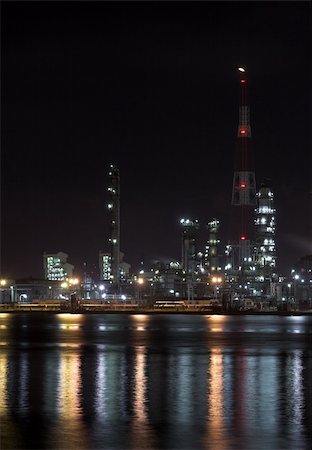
(153,88)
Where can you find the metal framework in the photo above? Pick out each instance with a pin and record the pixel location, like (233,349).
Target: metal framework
(241,246)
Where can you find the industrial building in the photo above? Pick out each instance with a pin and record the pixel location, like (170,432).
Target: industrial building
(56,267)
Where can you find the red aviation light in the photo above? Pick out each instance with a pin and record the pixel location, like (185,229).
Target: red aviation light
(243,238)
(243,81)
(242,131)
(242,185)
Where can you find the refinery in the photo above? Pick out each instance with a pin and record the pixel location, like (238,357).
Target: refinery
(233,276)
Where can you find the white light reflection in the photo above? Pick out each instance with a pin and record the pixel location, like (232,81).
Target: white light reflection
(140,385)
(100,380)
(215,424)
(267,397)
(141,434)
(184,392)
(3,384)
(298,395)
(296,398)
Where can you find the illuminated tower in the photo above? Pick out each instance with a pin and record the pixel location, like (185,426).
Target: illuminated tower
(241,246)
(211,254)
(265,234)
(114,210)
(189,244)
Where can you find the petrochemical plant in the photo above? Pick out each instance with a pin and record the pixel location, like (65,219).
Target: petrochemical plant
(245,268)
(238,274)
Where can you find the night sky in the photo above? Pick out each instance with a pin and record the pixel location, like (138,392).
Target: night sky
(152,88)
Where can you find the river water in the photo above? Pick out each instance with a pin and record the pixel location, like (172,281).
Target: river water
(118,381)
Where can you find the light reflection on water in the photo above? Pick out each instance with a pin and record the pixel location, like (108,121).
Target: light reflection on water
(174,382)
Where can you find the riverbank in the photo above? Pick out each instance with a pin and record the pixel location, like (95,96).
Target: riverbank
(155,312)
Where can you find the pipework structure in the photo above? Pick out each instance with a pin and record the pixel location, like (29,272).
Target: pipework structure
(114,211)
(265,234)
(188,238)
(240,251)
(212,247)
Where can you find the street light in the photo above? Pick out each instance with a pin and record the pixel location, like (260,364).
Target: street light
(70,283)
(140,282)
(73,281)
(3,284)
(216,281)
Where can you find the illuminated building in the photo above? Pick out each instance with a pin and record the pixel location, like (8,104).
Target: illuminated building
(105,266)
(56,267)
(265,234)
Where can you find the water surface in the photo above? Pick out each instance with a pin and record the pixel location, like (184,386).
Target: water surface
(70,381)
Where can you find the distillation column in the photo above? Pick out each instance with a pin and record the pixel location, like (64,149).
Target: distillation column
(212,254)
(189,244)
(265,234)
(114,210)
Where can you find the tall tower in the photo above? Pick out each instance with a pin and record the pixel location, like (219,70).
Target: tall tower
(265,234)
(244,188)
(211,254)
(189,244)
(114,210)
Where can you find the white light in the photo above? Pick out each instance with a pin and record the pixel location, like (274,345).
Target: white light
(123,297)
(296,277)
(241,69)
(101,287)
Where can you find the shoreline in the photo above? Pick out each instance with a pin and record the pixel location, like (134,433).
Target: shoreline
(160,312)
